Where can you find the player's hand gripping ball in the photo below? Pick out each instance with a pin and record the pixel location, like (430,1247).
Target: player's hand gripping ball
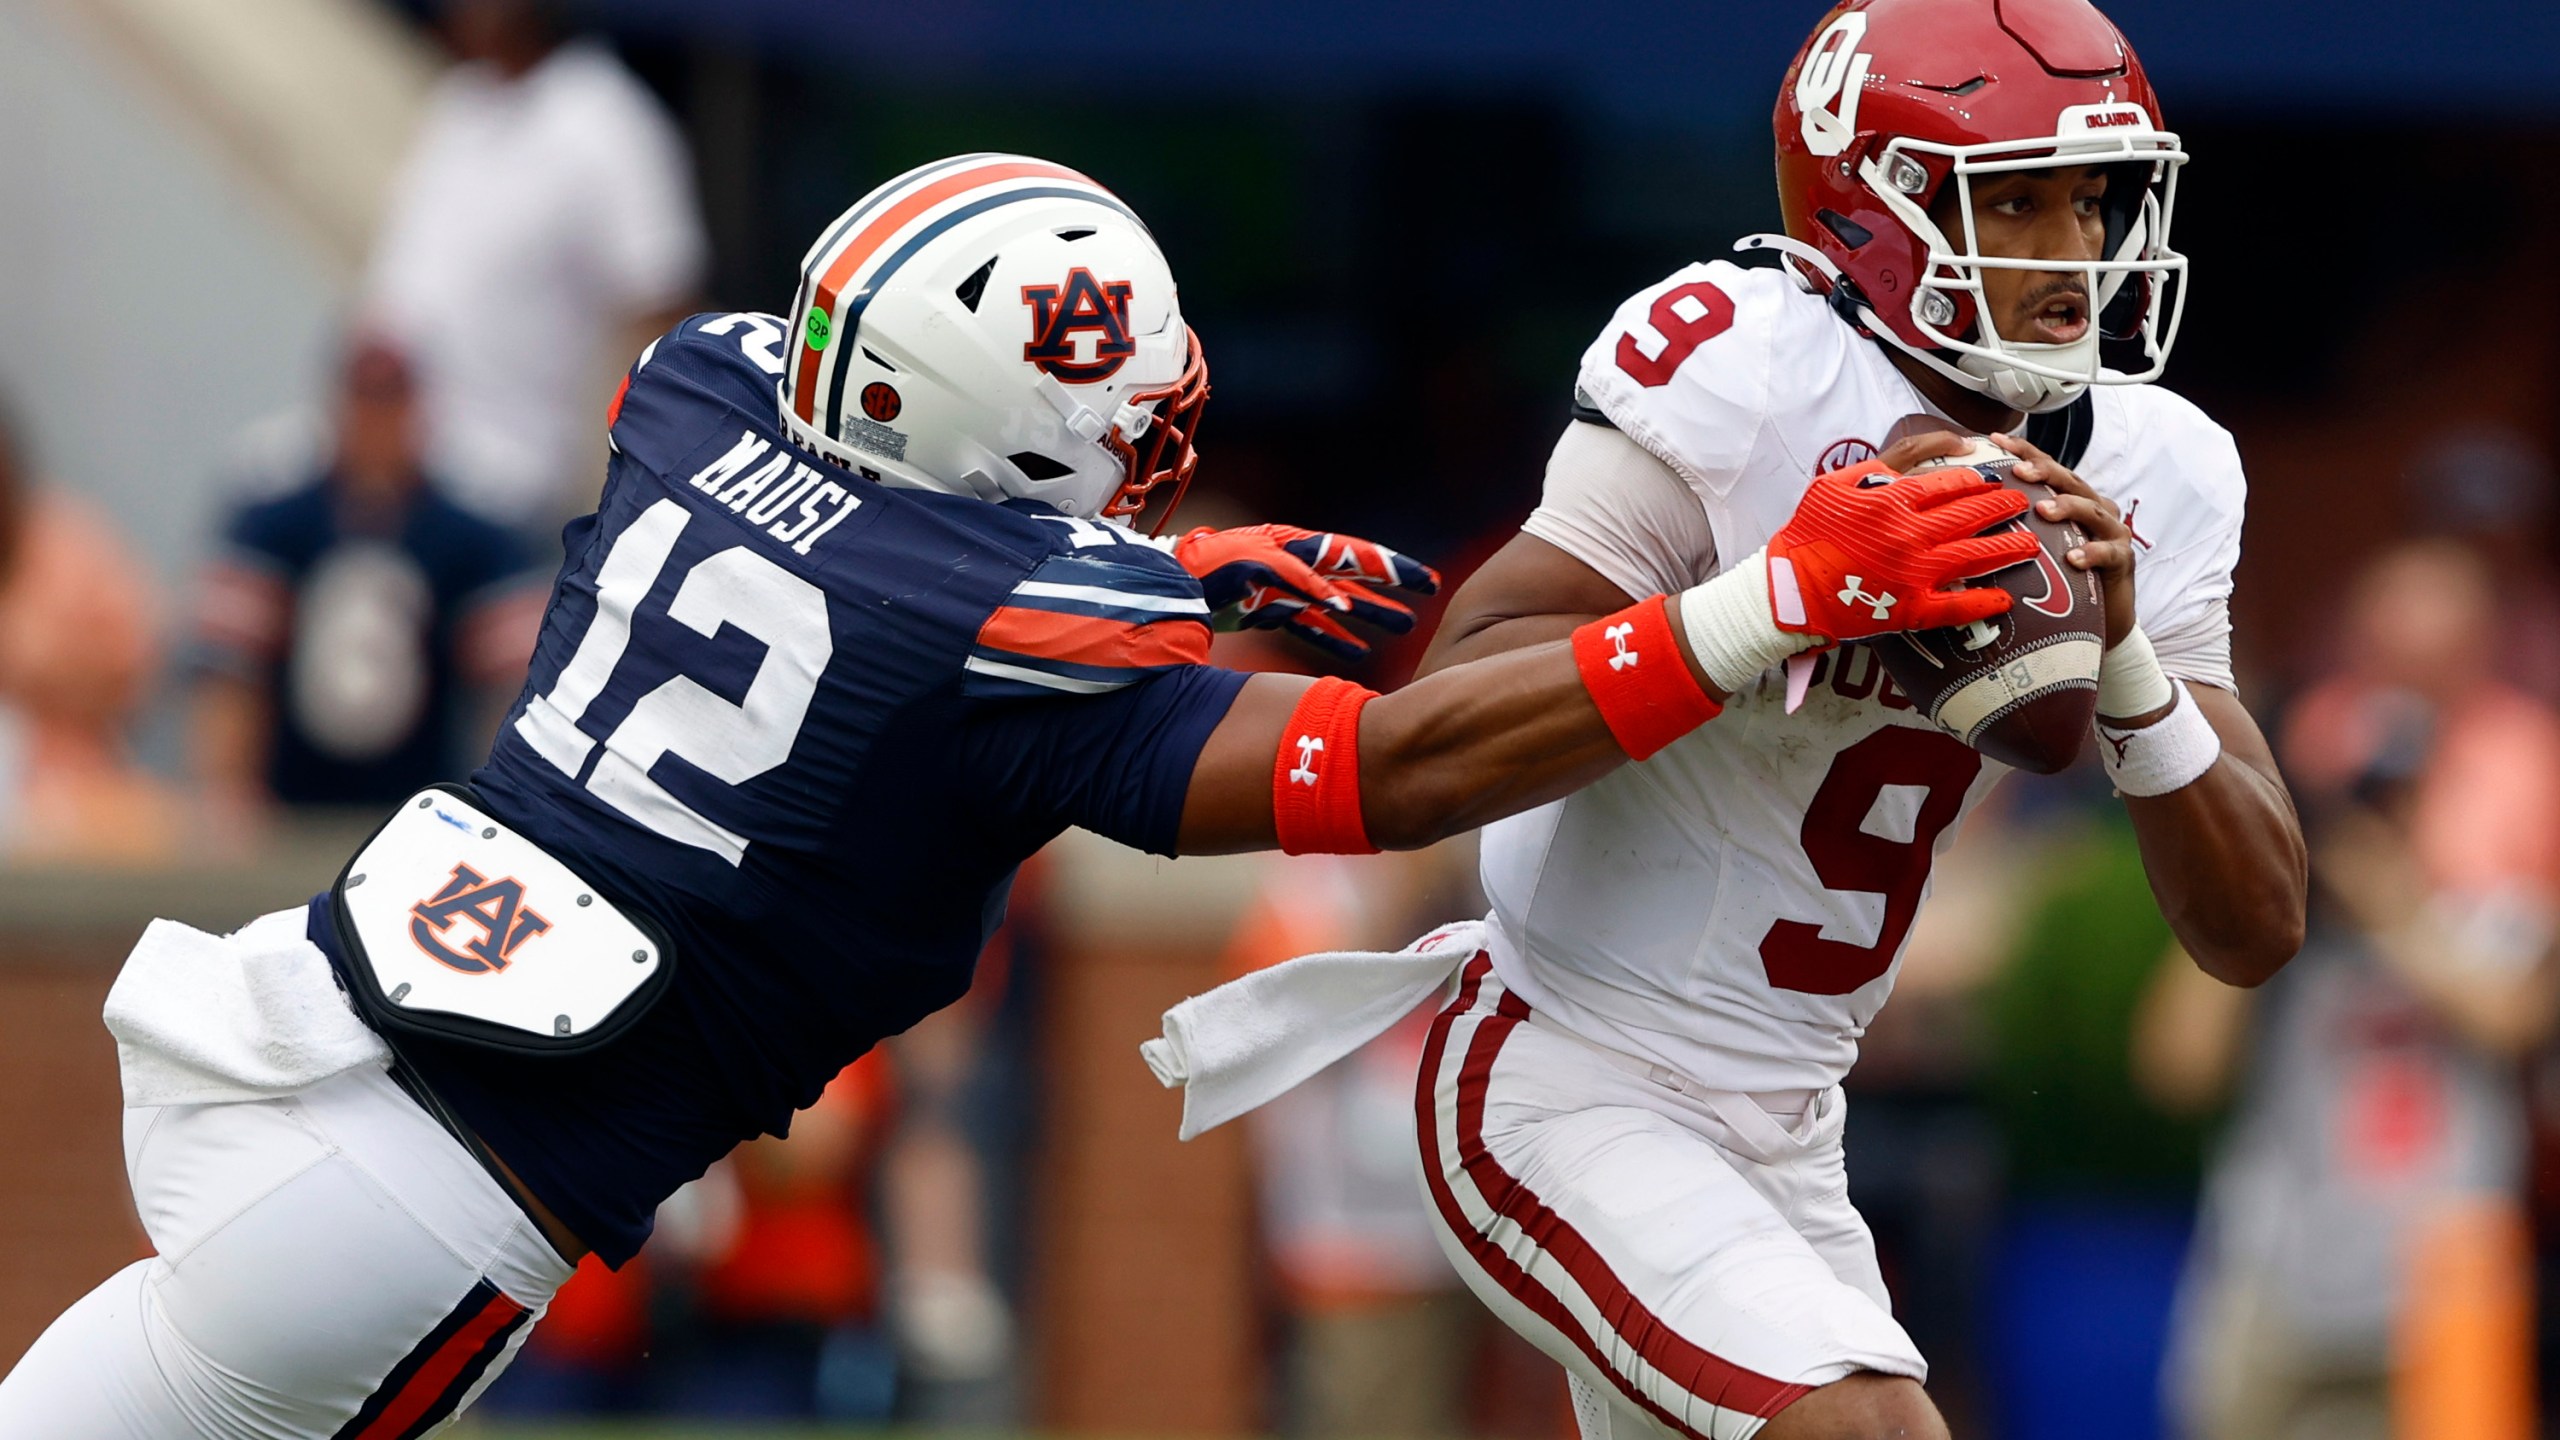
(1870,552)
(1279,577)
(2022,685)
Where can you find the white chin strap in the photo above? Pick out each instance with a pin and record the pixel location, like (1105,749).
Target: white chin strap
(2024,389)
(1983,374)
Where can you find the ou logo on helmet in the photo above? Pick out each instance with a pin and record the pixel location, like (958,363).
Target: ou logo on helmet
(1835,70)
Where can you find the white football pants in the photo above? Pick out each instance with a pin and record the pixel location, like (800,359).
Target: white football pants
(332,1266)
(1692,1262)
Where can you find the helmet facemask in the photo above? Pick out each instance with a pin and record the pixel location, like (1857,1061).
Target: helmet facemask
(1154,437)
(1950,308)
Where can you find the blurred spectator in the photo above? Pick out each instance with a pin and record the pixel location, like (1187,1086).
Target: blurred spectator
(1379,1331)
(784,1310)
(77,651)
(2371,1178)
(2490,485)
(954,1328)
(357,634)
(543,228)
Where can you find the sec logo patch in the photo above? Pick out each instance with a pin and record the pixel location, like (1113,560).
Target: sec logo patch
(880,401)
(1844,453)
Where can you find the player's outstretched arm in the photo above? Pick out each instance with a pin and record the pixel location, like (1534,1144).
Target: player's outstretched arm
(1441,756)
(1326,766)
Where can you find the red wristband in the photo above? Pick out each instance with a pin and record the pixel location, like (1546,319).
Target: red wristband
(1315,777)
(1630,662)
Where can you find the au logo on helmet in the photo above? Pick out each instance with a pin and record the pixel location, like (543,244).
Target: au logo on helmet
(1059,313)
(496,907)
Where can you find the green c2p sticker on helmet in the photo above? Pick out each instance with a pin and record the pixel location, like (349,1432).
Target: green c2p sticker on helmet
(816,328)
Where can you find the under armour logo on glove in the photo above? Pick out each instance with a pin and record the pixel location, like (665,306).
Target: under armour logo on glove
(1309,747)
(1869,552)
(1617,637)
(1279,577)
(1850,594)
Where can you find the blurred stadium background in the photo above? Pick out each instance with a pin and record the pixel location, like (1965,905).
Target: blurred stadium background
(1396,225)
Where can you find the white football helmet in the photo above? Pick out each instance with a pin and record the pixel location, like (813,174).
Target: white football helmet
(996,325)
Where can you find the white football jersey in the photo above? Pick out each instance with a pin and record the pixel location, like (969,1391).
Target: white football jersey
(1735,908)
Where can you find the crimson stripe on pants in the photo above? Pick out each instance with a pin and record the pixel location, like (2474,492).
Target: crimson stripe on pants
(1708,1377)
(430,1380)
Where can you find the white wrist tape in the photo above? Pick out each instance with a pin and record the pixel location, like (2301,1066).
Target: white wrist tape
(1730,626)
(2130,681)
(2170,753)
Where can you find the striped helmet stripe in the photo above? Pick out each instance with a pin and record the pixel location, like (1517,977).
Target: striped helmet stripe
(848,320)
(891,191)
(835,233)
(839,269)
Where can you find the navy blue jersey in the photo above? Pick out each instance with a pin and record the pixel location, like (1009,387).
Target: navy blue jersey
(810,725)
(367,630)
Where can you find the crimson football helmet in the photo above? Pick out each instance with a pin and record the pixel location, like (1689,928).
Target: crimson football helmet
(1892,101)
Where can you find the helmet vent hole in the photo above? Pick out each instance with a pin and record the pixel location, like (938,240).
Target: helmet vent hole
(1036,466)
(1076,234)
(874,357)
(974,289)
(1967,88)
(1851,233)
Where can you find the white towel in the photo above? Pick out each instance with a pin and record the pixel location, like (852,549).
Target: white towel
(200,1019)
(1251,1040)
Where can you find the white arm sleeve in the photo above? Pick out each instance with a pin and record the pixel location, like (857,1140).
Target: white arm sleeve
(1612,505)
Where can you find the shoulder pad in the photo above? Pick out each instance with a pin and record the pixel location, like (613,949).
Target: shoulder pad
(1090,617)
(1683,366)
(711,360)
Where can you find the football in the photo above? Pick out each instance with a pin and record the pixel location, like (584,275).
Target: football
(2021,687)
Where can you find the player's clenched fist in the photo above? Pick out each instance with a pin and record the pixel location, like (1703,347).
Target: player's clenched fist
(1274,577)
(1870,552)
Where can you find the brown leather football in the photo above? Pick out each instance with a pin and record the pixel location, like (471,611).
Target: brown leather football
(2021,687)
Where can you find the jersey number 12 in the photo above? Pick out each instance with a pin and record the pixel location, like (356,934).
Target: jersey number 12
(734,742)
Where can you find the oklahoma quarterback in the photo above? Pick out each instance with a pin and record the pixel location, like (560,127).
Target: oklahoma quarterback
(1630,1116)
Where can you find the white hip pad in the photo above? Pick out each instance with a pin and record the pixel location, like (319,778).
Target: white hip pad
(468,930)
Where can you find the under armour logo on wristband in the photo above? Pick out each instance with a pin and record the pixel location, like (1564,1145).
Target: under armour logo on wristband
(1309,747)
(1617,637)
(1852,594)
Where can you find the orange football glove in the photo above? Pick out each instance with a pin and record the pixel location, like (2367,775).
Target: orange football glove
(1870,552)
(1280,577)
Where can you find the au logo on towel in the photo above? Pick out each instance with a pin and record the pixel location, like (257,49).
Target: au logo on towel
(495,908)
